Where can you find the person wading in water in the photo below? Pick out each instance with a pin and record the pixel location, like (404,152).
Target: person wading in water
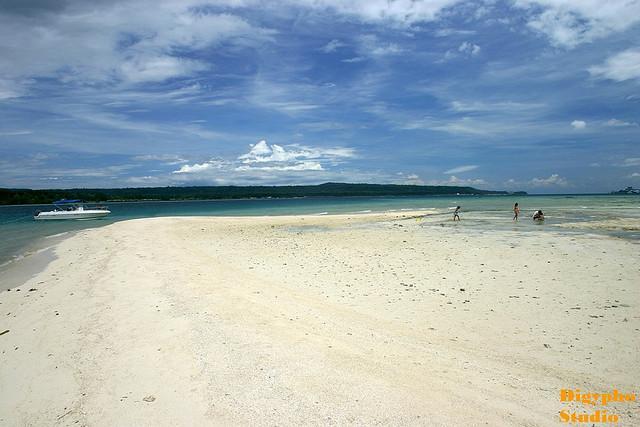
(456,214)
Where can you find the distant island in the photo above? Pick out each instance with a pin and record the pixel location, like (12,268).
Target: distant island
(628,190)
(329,189)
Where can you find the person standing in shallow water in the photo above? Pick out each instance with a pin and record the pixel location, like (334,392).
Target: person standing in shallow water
(538,216)
(456,214)
(516,212)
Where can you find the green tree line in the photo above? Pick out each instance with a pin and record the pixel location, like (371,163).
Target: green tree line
(26,196)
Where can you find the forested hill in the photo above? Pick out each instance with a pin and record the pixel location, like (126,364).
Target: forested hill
(25,196)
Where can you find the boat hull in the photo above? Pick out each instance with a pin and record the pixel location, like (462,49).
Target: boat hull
(85,214)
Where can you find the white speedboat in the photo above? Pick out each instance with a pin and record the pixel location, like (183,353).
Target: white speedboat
(72,209)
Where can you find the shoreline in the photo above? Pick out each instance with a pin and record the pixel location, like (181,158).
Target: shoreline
(17,270)
(31,260)
(43,242)
(475,213)
(610,227)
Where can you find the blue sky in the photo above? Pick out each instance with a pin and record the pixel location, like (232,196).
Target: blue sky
(542,96)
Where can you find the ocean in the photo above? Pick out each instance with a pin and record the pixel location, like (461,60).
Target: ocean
(616,215)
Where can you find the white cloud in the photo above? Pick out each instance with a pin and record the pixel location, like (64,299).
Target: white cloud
(622,66)
(455,181)
(630,161)
(168,159)
(469,48)
(371,45)
(10,89)
(301,166)
(482,126)
(111,42)
(461,169)
(201,167)
(263,157)
(502,106)
(551,181)
(354,59)
(286,97)
(634,175)
(265,153)
(16,133)
(110,172)
(465,50)
(619,123)
(446,32)
(397,12)
(568,23)
(259,150)
(411,179)
(563,28)
(332,46)
(579,124)
(123,42)
(158,68)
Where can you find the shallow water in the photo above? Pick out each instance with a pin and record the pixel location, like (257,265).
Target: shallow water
(576,213)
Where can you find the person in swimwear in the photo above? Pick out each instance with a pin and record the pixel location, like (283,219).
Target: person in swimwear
(538,216)
(516,212)
(456,214)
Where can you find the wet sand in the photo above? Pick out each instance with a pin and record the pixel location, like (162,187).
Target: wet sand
(367,319)
(19,271)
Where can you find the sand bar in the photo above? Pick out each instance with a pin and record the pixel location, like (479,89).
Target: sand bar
(319,320)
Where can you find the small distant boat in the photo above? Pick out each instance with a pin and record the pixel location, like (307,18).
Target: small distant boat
(72,209)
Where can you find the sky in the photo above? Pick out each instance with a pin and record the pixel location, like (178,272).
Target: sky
(534,95)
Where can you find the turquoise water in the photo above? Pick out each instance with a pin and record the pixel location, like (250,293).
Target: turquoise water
(20,233)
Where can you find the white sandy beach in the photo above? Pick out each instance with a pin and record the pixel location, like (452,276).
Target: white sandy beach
(319,320)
